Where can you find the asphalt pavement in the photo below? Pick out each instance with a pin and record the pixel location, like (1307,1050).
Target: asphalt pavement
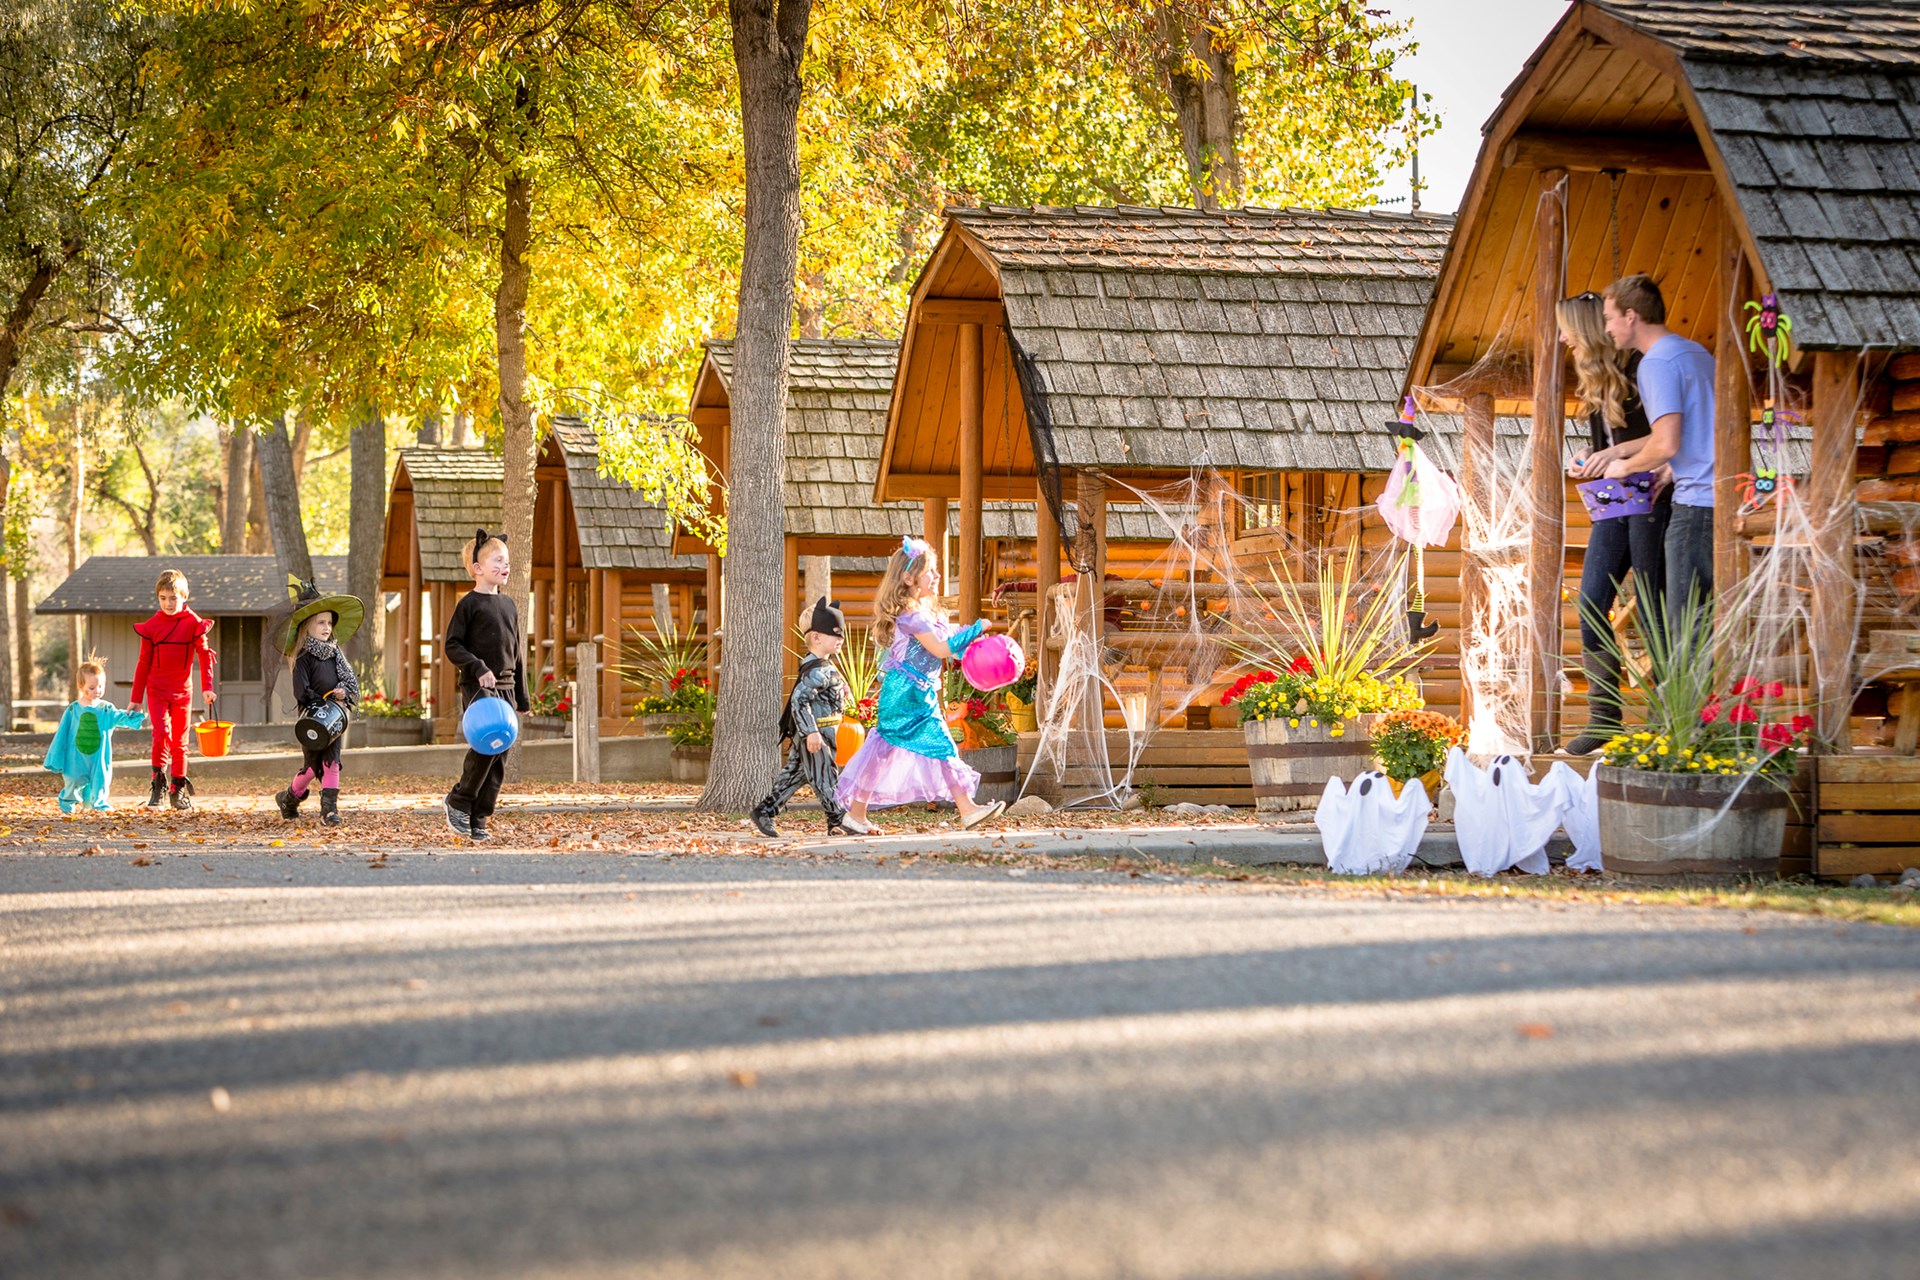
(278,1063)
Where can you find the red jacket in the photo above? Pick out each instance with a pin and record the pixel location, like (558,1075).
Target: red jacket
(168,647)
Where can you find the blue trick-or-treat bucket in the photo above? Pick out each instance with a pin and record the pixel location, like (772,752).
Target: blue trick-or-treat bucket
(490,724)
(1630,495)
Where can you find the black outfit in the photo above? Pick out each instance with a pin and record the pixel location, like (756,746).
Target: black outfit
(482,635)
(819,698)
(1636,543)
(314,680)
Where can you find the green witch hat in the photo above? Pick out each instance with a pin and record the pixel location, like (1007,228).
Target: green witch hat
(305,601)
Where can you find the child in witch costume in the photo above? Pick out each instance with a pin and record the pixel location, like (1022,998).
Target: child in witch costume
(483,639)
(311,634)
(819,698)
(910,755)
(82,750)
(171,641)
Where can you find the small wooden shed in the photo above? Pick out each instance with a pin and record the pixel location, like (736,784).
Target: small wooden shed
(111,593)
(1729,151)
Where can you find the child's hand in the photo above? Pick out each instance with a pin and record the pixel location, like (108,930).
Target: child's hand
(488,680)
(210,696)
(337,694)
(815,742)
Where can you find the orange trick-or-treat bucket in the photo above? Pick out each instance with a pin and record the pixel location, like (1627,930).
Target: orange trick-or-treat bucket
(214,736)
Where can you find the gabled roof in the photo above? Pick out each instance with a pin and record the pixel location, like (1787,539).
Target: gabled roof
(837,395)
(618,527)
(1259,338)
(218,585)
(1886,33)
(455,491)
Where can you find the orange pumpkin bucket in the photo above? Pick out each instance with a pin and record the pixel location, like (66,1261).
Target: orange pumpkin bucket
(214,736)
(847,740)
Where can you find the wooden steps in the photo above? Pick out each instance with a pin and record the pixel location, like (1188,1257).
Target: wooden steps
(1193,766)
(1867,818)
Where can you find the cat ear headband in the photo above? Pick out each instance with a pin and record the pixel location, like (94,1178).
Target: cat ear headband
(480,539)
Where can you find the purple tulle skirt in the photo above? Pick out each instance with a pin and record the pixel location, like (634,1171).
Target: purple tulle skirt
(881,774)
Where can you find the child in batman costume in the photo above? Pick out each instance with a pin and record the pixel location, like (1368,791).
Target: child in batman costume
(813,711)
(82,750)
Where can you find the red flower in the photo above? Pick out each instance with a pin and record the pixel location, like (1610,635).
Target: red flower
(1776,737)
(1301,666)
(566,704)
(1742,713)
(975,708)
(1801,724)
(1710,713)
(1775,689)
(1745,685)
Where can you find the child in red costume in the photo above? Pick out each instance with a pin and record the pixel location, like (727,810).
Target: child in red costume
(170,641)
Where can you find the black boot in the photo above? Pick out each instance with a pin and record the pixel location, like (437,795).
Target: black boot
(330,806)
(158,800)
(763,820)
(183,794)
(1603,705)
(477,829)
(289,804)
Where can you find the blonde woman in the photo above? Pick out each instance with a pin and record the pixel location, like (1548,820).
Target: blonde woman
(1610,399)
(910,755)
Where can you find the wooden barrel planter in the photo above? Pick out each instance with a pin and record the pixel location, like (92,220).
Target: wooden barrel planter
(390,731)
(999,772)
(689,764)
(1291,763)
(534,727)
(1670,826)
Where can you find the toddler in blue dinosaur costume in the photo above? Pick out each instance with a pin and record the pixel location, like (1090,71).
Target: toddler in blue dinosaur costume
(82,750)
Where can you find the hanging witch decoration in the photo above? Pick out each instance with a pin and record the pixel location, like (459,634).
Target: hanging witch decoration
(1419,504)
(1769,332)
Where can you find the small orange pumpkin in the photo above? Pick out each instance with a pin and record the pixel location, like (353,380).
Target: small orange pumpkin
(847,739)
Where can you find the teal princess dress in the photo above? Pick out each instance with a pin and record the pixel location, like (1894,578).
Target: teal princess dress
(910,755)
(82,752)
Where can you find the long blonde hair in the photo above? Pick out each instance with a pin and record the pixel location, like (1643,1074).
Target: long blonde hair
(896,591)
(1596,361)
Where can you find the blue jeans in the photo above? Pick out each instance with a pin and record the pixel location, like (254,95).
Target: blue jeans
(1690,561)
(1635,544)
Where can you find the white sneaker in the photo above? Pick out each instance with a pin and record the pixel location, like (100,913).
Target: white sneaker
(985,813)
(853,824)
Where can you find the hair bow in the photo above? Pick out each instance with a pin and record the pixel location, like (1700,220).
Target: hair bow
(913,548)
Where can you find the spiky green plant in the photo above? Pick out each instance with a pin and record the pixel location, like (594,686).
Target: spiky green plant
(1344,627)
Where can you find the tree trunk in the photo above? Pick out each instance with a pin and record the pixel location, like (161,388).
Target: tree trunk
(516,423)
(366,528)
(6,612)
(282,494)
(1206,105)
(769,37)
(302,441)
(13,333)
(429,432)
(258,543)
(76,504)
(233,518)
(23,637)
(462,425)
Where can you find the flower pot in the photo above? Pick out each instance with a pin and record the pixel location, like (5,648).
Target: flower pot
(659,722)
(1430,780)
(1672,827)
(1025,720)
(390,731)
(689,764)
(1291,763)
(546,726)
(999,772)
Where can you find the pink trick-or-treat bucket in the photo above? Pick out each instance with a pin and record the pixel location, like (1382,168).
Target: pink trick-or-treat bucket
(992,662)
(1630,495)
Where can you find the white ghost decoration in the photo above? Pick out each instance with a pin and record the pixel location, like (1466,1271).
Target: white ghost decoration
(1582,817)
(1501,817)
(1365,830)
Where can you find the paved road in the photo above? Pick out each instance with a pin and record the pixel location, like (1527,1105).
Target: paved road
(577,1065)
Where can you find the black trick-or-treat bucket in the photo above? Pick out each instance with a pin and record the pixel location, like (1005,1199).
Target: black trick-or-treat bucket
(320,724)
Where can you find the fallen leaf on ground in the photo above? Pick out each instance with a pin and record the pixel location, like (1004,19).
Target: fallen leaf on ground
(743,1079)
(1535,1031)
(222,1100)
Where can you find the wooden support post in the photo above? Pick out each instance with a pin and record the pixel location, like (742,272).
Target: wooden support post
(1476,474)
(972,463)
(790,612)
(1733,416)
(933,532)
(714,615)
(1546,565)
(445,682)
(542,611)
(586,713)
(557,513)
(410,682)
(817,573)
(612,623)
(1830,502)
(1090,601)
(1046,576)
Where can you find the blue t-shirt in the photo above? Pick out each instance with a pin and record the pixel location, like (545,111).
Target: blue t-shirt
(1677,377)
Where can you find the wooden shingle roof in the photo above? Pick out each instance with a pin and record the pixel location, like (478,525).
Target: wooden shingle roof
(618,527)
(1256,338)
(218,585)
(455,491)
(1815,111)
(837,395)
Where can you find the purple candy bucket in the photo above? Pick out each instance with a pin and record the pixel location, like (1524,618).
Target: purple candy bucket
(1630,495)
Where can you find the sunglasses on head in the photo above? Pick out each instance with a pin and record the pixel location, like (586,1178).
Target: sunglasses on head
(1588,296)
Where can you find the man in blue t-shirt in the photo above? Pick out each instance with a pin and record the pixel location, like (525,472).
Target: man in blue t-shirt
(1676,388)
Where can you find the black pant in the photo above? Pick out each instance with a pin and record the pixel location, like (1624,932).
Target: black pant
(1690,564)
(480,775)
(1620,545)
(807,768)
